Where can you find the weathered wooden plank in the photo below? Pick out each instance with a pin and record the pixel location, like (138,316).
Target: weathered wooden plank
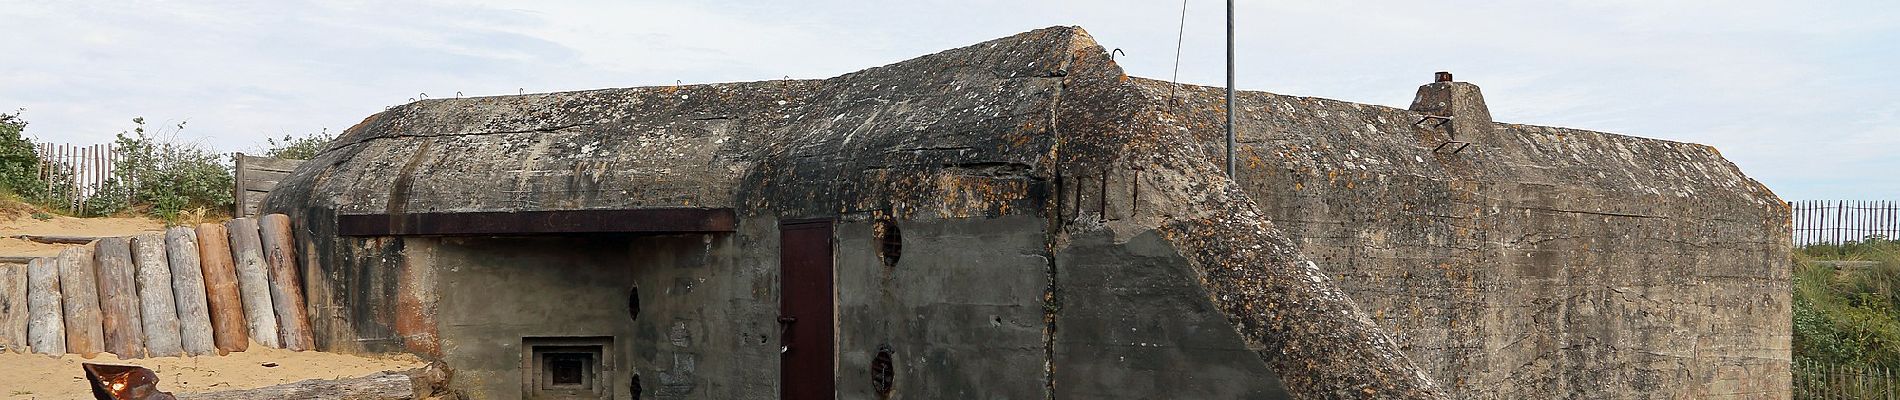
(13,308)
(257,185)
(238,170)
(158,307)
(79,293)
(46,330)
(266,175)
(255,163)
(286,287)
(188,291)
(381,386)
(119,298)
(247,250)
(228,327)
(57,239)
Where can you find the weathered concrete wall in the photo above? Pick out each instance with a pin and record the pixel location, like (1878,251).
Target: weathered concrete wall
(967,133)
(688,340)
(707,325)
(490,293)
(1138,325)
(961,309)
(1539,263)
(1128,168)
(640,147)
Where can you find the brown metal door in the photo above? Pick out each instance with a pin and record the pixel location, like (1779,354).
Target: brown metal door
(805,308)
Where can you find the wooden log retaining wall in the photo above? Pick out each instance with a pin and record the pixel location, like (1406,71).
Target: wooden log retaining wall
(247,250)
(158,307)
(221,290)
(184,292)
(119,297)
(79,290)
(46,331)
(286,290)
(13,313)
(188,291)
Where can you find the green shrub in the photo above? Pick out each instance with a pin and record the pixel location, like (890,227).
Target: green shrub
(19,164)
(163,176)
(298,148)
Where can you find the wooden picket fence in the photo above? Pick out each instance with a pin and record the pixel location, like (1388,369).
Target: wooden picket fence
(1844,221)
(1830,382)
(214,289)
(75,172)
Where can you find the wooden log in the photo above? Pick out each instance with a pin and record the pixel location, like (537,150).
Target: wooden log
(46,330)
(79,291)
(228,328)
(158,306)
(57,239)
(13,308)
(247,250)
(119,298)
(286,287)
(188,291)
(381,386)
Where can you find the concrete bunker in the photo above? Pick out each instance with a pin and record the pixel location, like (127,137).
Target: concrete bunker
(1019,219)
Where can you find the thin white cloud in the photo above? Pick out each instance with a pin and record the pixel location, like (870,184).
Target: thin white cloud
(1798,94)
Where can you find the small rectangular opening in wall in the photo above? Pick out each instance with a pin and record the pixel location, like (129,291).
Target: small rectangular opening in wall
(570,370)
(566,368)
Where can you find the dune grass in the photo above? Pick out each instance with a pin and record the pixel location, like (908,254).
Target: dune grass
(1845,313)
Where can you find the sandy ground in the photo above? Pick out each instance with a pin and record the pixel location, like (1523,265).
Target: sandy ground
(36,376)
(66,226)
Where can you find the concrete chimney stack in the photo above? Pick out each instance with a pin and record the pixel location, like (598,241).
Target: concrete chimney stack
(1462,102)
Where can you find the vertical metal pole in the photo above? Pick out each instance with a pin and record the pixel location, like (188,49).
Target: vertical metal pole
(1230,89)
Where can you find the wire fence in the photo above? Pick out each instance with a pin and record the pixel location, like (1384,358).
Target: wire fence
(1844,221)
(1829,382)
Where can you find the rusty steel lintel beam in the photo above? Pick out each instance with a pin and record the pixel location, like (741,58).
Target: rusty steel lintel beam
(650,220)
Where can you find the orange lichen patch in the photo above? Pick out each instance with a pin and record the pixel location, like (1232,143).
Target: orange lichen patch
(967,196)
(1254,161)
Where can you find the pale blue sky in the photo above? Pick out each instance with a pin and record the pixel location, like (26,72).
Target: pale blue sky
(1802,95)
